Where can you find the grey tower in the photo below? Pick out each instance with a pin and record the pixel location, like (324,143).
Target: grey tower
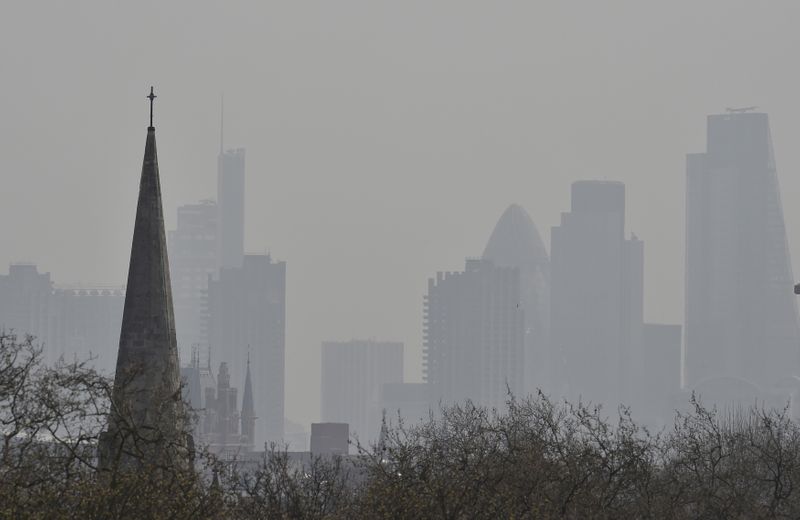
(473,345)
(247,317)
(147,422)
(596,298)
(230,198)
(741,315)
(515,242)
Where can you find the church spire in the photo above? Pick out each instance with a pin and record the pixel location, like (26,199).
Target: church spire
(146,396)
(152,97)
(248,407)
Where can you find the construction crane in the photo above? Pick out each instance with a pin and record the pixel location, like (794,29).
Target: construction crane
(740,110)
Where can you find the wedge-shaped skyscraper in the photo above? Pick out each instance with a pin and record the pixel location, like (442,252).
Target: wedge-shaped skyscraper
(741,315)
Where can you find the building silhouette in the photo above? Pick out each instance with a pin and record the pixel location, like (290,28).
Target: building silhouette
(741,315)
(73,322)
(247,316)
(147,421)
(596,299)
(515,242)
(230,199)
(85,324)
(26,305)
(193,253)
(473,344)
(353,373)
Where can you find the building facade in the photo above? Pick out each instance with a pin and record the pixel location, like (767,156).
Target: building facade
(741,315)
(247,316)
(353,373)
(473,343)
(193,253)
(230,199)
(596,299)
(515,242)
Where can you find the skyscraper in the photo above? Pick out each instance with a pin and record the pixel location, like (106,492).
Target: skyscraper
(71,321)
(596,298)
(230,199)
(515,242)
(193,252)
(147,386)
(741,315)
(473,345)
(353,373)
(247,314)
(85,324)
(26,305)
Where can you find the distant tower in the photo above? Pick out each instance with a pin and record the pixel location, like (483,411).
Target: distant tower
(248,410)
(741,316)
(353,374)
(193,252)
(147,422)
(596,297)
(230,199)
(515,242)
(247,313)
(474,335)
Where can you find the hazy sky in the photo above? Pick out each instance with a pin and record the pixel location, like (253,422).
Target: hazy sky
(384,139)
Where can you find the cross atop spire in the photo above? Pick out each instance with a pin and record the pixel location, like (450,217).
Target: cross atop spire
(152,98)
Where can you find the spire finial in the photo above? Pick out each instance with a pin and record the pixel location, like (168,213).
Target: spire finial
(152,98)
(248,356)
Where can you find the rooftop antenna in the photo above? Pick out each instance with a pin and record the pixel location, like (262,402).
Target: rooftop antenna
(221,120)
(740,110)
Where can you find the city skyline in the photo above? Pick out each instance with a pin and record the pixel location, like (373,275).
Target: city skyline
(357,137)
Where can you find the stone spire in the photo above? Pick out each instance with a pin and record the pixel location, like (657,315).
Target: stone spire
(147,419)
(248,408)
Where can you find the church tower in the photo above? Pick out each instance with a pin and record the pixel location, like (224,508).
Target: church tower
(147,423)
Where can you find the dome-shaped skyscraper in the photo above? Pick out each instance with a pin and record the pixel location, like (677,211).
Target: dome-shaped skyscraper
(515,242)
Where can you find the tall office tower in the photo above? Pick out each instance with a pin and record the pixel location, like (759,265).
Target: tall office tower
(86,323)
(230,198)
(515,242)
(474,335)
(596,298)
(193,249)
(353,373)
(741,315)
(247,314)
(26,305)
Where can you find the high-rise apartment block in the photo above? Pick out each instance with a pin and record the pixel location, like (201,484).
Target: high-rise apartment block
(353,373)
(71,322)
(26,304)
(474,340)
